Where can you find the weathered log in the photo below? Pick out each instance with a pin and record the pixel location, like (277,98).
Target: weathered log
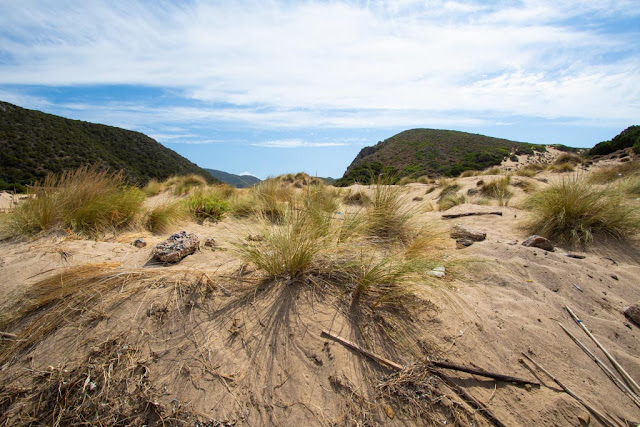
(451,216)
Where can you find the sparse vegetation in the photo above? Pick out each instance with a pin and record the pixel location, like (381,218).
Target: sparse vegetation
(612,173)
(451,200)
(359,198)
(386,217)
(161,218)
(561,167)
(571,158)
(498,189)
(573,210)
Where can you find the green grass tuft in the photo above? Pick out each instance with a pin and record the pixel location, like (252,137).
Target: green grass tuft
(206,205)
(573,210)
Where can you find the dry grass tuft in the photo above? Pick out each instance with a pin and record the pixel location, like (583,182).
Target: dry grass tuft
(181,185)
(358,198)
(153,188)
(573,210)
(87,200)
(561,167)
(387,218)
(161,218)
(498,189)
(613,173)
(574,159)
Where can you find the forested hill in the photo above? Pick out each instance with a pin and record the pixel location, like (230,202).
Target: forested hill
(418,152)
(33,143)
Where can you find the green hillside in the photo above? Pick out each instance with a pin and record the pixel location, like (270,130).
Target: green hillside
(238,181)
(33,143)
(418,152)
(630,137)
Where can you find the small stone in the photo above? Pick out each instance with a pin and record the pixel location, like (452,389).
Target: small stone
(437,272)
(633,313)
(139,243)
(389,411)
(463,243)
(614,277)
(460,232)
(536,241)
(176,247)
(210,243)
(255,238)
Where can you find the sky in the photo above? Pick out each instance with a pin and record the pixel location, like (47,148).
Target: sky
(274,86)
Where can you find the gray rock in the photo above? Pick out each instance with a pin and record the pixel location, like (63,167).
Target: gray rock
(536,241)
(633,313)
(437,272)
(460,232)
(139,243)
(176,247)
(463,243)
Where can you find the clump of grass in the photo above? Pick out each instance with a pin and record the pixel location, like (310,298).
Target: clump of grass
(561,167)
(573,210)
(448,188)
(270,198)
(87,200)
(574,159)
(612,173)
(468,173)
(498,189)
(451,200)
(526,185)
(161,218)
(405,180)
(181,185)
(206,205)
(153,188)
(530,170)
(387,218)
(494,171)
(425,180)
(241,205)
(359,198)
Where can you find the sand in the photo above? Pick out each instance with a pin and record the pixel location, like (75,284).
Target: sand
(202,341)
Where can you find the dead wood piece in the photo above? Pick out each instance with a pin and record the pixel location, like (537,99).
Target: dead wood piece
(460,232)
(483,373)
(621,385)
(625,375)
(602,418)
(381,360)
(451,216)
(8,335)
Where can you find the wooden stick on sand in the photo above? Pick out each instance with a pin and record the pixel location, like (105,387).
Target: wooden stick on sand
(615,363)
(602,418)
(621,385)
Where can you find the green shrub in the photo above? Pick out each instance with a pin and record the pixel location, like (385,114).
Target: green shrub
(203,205)
(574,211)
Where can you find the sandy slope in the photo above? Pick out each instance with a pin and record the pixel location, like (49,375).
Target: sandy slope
(201,339)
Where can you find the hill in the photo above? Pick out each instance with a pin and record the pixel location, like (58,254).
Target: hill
(418,152)
(238,181)
(630,137)
(33,143)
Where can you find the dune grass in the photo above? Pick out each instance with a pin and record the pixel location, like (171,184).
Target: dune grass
(183,184)
(561,167)
(613,173)
(574,159)
(358,198)
(530,170)
(88,201)
(573,210)
(498,189)
(161,218)
(206,204)
(387,218)
(153,188)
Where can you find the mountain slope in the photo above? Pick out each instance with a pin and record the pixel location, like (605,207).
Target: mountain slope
(419,152)
(33,143)
(239,181)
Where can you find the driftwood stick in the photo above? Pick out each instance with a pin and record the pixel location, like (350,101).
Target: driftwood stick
(390,364)
(483,373)
(625,375)
(621,385)
(602,418)
(381,360)
(8,335)
(451,216)
(473,402)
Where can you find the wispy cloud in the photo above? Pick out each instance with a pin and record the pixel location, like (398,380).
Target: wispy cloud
(295,143)
(339,64)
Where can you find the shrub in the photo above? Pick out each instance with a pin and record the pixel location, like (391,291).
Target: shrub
(574,210)
(87,200)
(203,205)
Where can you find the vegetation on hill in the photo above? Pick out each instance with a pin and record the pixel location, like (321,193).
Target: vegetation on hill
(630,137)
(33,144)
(238,181)
(417,152)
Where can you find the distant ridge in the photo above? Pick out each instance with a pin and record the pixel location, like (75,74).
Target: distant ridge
(238,181)
(418,152)
(33,143)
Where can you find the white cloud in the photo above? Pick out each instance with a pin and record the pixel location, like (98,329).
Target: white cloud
(339,64)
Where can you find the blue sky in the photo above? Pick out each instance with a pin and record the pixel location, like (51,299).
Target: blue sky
(276,86)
